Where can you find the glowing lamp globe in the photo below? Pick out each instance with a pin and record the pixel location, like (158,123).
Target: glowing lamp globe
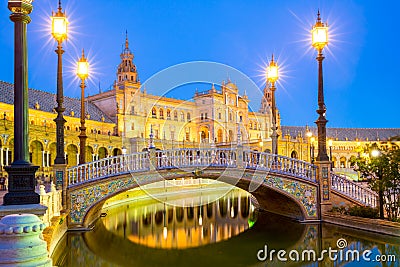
(83,67)
(375,153)
(272,71)
(319,34)
(59,25)
(330,142)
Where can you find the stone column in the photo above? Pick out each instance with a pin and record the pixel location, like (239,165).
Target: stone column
(43,161)
(1,156)
(7,150)
(21,243)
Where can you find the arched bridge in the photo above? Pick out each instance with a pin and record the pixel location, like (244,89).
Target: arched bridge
(284,185)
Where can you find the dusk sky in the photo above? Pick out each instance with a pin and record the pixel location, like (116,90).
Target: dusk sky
(361,66)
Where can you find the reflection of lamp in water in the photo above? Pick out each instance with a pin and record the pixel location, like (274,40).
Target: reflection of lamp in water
(232,211)
(200,208)
(165,230)
(200,219)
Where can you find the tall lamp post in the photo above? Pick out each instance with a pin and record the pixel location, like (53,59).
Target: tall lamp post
(21,186)
(375,153)
(330,144)
(319,40)
(59,24)
(309,135)
(83,73)
(312,149)
(272,77)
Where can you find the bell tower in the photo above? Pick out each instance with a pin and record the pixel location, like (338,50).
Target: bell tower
(266,101)
(126,71)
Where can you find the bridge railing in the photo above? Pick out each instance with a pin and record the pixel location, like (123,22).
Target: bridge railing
(354,190)
(279,164)
(108,166)
(191,157)
(196,157)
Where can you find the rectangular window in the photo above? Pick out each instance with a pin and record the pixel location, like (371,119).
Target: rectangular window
(132,110)
(219,116)
(206,116)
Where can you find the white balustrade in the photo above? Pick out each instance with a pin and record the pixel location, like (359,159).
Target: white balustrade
(52,200)
(190,157)
(279,164)
(108,167)
(354,190)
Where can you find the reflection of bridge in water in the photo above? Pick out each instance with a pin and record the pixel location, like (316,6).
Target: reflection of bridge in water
(288,186)
(163,225)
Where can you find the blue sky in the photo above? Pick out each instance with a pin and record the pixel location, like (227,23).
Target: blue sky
(361,67)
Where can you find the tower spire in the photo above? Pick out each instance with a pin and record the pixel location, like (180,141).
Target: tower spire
(126,40)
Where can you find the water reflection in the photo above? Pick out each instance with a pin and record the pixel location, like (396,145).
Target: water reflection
(145,232)
(161,225)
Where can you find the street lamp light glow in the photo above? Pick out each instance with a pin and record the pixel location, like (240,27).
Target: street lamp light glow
(59,25)
(309,134)
(83,67)
(375,153)
(319,34)
(272,71)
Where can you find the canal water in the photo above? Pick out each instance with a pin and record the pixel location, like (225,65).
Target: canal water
(214,226)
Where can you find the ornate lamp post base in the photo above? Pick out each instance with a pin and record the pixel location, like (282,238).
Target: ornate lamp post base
(21,185)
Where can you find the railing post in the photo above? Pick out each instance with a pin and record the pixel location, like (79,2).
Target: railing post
(324,180)
(239,157)
(152,159)
(61,182)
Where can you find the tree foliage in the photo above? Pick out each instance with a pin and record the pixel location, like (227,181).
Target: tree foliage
(380,165)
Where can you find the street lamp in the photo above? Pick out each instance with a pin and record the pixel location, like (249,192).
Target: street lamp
(4,119)
(312,140)
(272,77)
(21,173)
(309,135)
(375,153)
(59,24)
(319,34)
(83,73)
(330,143)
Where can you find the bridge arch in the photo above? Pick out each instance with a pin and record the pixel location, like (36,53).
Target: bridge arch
(284,185)
(276,193)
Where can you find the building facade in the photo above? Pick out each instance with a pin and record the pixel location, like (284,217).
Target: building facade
(125,117)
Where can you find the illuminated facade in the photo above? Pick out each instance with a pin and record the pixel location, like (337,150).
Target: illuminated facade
(126,115)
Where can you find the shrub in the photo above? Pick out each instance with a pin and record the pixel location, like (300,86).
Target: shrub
(365,212)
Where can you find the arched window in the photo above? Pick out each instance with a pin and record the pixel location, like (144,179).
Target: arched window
(161,113)
(188,117)
(182,116)
(154,113)
(175,115)
(168,114)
